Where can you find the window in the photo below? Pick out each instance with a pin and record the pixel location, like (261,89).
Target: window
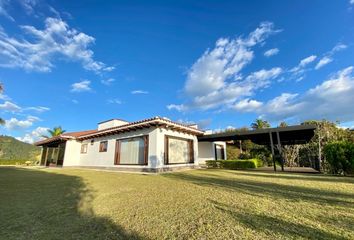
(219,152)
(132,151)
(84,148)
(178,150)
(103,146)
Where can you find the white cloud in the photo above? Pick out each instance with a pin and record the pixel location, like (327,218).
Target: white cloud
(351,1)
(271,52)
(247,105)
(179,108)
(4,97)
(215,80)
(40,50)
(338,47)
(139,92)
(82,86)
(34,136)
(39,109)
(74,101)
(324,61)
(333,100)
(327,58)
(3,11)
(108,81)
(114,101)
(15,124)
(301,67)
(10,107)
(307,60)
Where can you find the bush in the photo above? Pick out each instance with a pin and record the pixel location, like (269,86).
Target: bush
(12,162)
(238,164)
(245,156)
(212,163)
(340,157)
(234,164)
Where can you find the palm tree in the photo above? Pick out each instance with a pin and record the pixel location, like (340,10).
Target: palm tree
(260,124)
(283,124)
(56,131)
(2,121)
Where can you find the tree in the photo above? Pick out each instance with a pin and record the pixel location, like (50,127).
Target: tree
(260,124)
(2,121)
(283,124)
(56,131)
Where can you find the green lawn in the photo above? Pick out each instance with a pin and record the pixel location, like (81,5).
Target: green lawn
(195,204)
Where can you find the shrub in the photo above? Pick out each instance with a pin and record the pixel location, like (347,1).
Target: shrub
(12,162)
(245,156)
(234,164)
(340,157)
(212,163)
(238,164)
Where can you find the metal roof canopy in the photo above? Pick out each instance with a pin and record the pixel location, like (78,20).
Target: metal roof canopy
(273,137)
(298,134)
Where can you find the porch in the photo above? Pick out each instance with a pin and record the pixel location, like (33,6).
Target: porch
(53,154)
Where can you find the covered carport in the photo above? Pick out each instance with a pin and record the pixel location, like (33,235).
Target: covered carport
(275,138)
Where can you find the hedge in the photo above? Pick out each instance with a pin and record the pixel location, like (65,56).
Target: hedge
(340,157)
(234,164)
(16,162)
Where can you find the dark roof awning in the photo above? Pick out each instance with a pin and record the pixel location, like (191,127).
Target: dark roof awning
(291,135)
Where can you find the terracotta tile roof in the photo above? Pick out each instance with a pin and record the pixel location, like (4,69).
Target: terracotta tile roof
(149,122)
(64,136)
(79,134)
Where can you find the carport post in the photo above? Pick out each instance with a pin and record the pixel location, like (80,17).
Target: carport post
(280,152)
(272,148)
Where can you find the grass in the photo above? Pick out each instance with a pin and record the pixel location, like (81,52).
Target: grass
(196,204)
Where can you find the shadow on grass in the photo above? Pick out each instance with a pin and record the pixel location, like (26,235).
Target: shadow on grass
(40,205)
(272,225)
(297,176)
(258,188)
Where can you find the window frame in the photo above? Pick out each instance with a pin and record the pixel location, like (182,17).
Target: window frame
(81,150)
(100,149)
(190,146)
(146,151)
(222,151)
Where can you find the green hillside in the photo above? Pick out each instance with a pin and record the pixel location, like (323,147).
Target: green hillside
(13,149)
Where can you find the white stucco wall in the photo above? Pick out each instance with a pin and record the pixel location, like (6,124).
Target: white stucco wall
(111,123)
(160,146)
(72,153)
(207,151)
(73,156)
(94,157)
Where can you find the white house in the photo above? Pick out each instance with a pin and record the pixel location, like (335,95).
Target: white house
(154,144)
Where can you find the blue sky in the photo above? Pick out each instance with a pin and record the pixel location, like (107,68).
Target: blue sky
(219,64)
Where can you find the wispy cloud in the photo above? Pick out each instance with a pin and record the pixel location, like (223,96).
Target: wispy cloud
(271,52)
(108,81)
(323,61)
(10,107)
(139,92)
(39,109)
(82,86)
(114,101)
(3,11)
(328,57)
(40,49)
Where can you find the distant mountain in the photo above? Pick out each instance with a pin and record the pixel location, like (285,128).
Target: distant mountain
(13,149)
